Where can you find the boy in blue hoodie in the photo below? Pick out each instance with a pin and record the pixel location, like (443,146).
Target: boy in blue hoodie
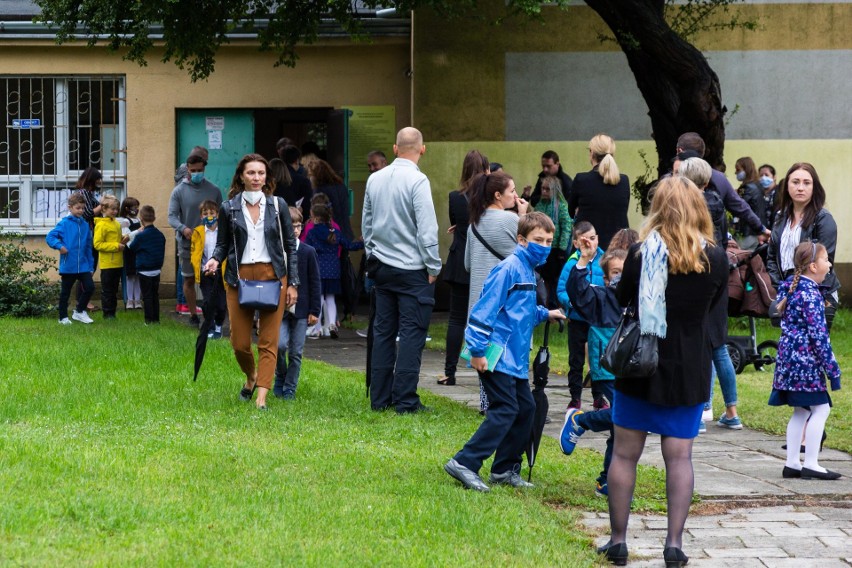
(598,306)
(578,328)
(504,317)
(72,237)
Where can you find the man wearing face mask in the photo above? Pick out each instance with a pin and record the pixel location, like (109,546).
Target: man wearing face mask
(184,217)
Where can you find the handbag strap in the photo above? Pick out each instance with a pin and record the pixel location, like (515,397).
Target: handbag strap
(234,235)
(485,244)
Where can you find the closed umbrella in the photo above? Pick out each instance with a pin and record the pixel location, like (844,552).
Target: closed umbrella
(207,311)
(541,370)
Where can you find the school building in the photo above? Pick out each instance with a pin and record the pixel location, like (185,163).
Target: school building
(511,91)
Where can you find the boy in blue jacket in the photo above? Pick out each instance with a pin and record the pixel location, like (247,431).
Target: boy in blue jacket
(72,237)
(505,316)
(150,248)
(578,328)
(598,306)
(294,325)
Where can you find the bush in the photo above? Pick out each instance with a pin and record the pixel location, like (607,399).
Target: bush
(25,290)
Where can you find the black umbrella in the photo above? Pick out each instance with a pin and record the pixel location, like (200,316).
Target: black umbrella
(541,370)
(207,311)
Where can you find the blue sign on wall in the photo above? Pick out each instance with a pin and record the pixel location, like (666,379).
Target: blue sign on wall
(26,123)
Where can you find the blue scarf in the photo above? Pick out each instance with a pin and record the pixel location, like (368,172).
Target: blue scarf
(653,280)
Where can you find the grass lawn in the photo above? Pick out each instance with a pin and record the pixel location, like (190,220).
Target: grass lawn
(753,387)
(111,455)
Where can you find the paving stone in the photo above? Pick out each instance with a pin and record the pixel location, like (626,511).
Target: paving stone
(833,513)
(802,563)
(788,516)
(715,563)
(797,532)
(734,532)
(842,545)
(746,552)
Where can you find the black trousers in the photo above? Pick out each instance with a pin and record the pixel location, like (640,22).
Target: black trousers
(150,286)
(110,279)
(459,294)
(404,302)
(86,289)
(505,431)
(578,335)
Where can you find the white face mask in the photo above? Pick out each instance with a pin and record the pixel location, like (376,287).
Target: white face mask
(252,197)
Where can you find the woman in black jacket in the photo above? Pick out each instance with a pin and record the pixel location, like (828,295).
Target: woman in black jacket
(602,195)
(753,195)
(455,273)
(802,217)
(255,234)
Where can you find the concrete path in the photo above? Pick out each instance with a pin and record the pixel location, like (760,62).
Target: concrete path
(761,520)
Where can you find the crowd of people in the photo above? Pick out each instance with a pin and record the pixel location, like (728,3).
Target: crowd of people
(562,250)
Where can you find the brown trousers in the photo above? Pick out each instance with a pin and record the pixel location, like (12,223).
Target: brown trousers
(242,321)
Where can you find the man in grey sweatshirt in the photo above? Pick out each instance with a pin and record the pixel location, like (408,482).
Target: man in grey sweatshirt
(184,216)
(401,239)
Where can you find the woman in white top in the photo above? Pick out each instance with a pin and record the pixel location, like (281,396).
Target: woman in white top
(256,235)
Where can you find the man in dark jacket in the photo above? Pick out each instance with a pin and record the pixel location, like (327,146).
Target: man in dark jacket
(550,166)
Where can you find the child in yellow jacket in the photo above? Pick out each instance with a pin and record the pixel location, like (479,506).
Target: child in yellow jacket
(109,243)
(201,250)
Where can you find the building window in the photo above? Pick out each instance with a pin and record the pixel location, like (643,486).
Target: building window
(56,127)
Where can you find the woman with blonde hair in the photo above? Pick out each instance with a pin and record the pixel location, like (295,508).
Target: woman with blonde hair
(675,276)
(602,195)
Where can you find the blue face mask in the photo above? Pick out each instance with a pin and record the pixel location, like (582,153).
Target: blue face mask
(196,177)
(765,181)
(209,221)
(740,176)
(613,282)
(538,254)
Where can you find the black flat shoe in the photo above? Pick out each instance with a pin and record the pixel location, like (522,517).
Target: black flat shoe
(247,393)
(811,474)
(447,381)
(615,553)
(790,473)
(674,557)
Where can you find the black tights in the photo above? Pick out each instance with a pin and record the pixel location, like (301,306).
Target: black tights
(677,453)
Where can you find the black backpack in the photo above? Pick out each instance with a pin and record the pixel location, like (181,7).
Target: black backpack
(717,213)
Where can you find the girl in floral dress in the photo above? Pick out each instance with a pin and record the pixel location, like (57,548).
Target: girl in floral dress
(805,360)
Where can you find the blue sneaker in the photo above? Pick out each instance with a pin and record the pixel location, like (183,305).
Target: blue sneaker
(571,431)
(733,423)
(602,489)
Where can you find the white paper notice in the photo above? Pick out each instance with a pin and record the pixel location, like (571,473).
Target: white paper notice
(214,139)
(214,123)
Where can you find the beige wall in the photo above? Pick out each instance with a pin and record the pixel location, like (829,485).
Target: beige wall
(331,75)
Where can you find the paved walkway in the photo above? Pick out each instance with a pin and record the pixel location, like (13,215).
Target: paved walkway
(763,520)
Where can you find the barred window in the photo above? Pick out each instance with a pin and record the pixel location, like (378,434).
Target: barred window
(56,127)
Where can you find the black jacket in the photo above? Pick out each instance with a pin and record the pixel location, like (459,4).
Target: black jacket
(604,206)
(567,184)
(454,271)
(823,230)
(232,226)
(299,188)
(753,196)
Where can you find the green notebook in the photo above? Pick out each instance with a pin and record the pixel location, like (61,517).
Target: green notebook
(492,354)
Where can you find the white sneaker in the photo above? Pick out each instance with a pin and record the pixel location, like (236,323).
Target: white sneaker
(65,321)
(82,317)
(361,332)
(707,415)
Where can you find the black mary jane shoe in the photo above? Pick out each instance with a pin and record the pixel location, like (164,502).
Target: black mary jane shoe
(615,553)
(247,393)
(674,557)
(813,474)
(447,381)
(790,473)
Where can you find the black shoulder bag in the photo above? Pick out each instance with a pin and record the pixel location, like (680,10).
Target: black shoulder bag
(630,354)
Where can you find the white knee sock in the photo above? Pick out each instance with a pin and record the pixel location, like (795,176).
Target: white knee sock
(813,436)
(794,436)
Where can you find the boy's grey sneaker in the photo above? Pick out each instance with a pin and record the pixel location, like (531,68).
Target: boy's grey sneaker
(289,395)
(470,479)
(81,317)
(733,423)
(65,321)
(512,478)
(571,431)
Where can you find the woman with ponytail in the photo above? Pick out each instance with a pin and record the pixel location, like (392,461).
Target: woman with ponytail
(602,195)
(805,360)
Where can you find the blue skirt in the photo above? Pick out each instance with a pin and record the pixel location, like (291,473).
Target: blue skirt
(639,414)
(796,398)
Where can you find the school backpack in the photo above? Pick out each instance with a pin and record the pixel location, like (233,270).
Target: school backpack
(750,290)
(717,213)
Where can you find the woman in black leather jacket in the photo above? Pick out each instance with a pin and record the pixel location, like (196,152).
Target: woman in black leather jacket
(255,234)
(801,218)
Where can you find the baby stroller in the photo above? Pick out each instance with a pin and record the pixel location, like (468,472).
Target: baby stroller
(749,294)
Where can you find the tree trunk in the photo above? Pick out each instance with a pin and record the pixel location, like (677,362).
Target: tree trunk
(681,90)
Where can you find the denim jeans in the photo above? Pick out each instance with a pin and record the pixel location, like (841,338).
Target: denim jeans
(724,369)
(291,343)
(601,421)
(506,429)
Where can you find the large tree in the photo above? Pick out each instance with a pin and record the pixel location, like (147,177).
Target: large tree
(681,90)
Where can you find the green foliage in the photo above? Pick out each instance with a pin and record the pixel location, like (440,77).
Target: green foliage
(25,289)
